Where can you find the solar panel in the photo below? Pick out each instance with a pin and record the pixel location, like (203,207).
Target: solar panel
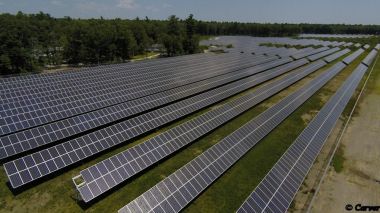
(322,54)
(138,74)
(278,188)
(348,44)
(136,68)
(180,136)
(100,68)
(377,47)
(337,55)
(181,187)
(63,84)
(304,54)
(353,56)
(42,135)
(370,57)
(70,152)
(27,114)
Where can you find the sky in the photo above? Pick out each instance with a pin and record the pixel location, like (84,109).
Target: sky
(263,11)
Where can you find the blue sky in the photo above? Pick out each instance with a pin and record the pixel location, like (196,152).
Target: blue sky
(293,11)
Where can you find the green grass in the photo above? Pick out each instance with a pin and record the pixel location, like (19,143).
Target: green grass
(143,56)
(206,37)
(225,195)
(338,160)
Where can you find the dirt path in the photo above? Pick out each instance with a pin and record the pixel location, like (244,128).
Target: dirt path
(359,182)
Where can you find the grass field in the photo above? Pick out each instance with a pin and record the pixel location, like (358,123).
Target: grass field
(225,195)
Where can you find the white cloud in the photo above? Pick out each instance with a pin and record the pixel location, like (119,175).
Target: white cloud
(152,8)
(166,5)
(56,3)
(92,7)
(127,4)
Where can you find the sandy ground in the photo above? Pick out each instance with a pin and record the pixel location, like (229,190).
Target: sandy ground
(359,182)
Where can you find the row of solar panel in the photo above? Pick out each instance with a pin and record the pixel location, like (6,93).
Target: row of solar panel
(114,81)
(153,150)
(180,188)
(130,70)
(90,144)
(49,133)
(65,154)
(348,60)
(143,74)
(27,89)
(322,54)
(84,72)
(143,70)
(104,70)
(370,57)
(112,171)
(22,115)
(377,47)
(303,54)
(34,114)
(278,188)
(336,55)
(175,134)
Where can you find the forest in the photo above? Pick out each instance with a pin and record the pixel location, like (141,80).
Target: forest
(32,42)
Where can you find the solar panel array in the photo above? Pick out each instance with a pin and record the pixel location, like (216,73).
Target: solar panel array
(55,158)
(248,44)
(35,137)
(334,56)
(303,54)
(370,57)
(102,177)
(334,36)
(279,187)
(348,44)
(37,111)
(49,122)
(97,178)
(87,78)
(91,71)
(377,47)
(180,188)
(353,56)
(322,54)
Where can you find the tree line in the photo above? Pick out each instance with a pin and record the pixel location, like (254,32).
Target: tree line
(29,42)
